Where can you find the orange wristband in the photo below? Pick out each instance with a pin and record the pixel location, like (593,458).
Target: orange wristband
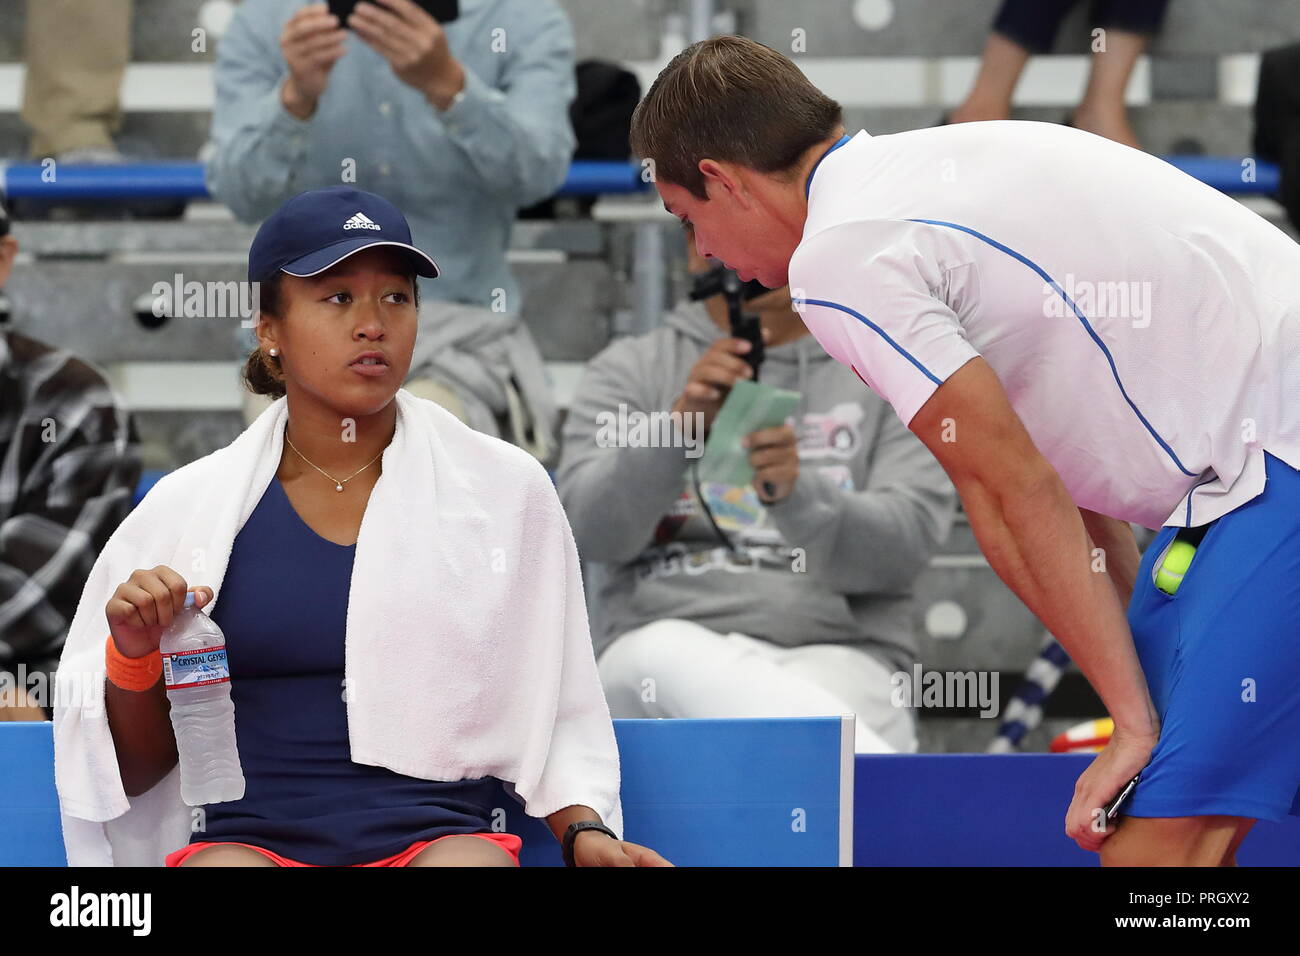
(132,673)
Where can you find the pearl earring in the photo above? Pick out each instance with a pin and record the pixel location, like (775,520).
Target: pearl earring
(274,352)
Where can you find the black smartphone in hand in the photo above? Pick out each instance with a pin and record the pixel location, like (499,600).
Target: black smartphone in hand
(444,11)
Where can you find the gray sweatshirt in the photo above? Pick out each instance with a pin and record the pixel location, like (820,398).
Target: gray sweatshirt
(834,562)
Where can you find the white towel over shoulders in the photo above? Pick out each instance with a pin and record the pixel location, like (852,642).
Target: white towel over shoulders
(467,646)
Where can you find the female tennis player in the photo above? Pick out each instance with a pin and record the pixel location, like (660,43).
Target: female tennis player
(400,642)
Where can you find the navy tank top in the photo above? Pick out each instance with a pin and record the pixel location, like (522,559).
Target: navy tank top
(283,611)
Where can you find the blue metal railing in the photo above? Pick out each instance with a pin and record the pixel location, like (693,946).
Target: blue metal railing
(1234,175)
(184,180)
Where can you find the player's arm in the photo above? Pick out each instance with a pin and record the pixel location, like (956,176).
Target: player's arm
(1032,534)
(1119,549)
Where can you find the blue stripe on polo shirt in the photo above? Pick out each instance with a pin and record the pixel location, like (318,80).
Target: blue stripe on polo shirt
(1189,499)
(875,328)
(1082,318)
(807,186)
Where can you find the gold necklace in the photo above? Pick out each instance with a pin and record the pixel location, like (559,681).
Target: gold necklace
(338,482)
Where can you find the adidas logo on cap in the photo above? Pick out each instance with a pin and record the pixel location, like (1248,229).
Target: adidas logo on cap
(360,221)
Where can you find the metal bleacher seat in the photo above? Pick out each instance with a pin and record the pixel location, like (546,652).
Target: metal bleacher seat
(700,792)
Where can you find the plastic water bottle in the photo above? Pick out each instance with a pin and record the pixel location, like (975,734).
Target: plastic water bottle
(203,716)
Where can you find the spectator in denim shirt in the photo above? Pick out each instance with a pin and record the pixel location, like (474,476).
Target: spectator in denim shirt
(461,125)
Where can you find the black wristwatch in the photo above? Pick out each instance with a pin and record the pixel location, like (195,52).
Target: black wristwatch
(566,844)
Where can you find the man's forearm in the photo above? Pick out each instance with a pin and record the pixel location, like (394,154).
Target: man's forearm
(1036,542)
(442,89)
(860,542)
(518,143)
(257,153)
(1119,550)
(615,504)
(294,101)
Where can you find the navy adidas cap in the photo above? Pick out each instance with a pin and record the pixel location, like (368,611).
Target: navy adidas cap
(318,228)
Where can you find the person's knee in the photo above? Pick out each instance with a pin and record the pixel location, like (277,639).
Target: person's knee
(901,733)
(625,666)
(641,670)
(639,655)
(868,741)
(665,635)
(463,849)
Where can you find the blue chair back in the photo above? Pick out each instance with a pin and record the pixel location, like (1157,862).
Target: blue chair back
(749,793)
(30,831)
(699,792)
(994,810)
(752,792)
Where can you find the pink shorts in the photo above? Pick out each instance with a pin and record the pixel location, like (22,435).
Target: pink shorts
(507,841)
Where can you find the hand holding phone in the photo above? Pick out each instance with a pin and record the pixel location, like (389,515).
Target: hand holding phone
(311,43)
(1112,808)
(408,34)
(444,11)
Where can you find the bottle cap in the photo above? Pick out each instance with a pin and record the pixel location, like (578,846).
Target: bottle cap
(189,598)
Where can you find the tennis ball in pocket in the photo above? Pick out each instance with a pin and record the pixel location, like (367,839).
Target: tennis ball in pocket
(1177,560)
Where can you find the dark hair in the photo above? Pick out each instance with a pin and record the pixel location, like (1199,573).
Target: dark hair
(262,372)
(732,99)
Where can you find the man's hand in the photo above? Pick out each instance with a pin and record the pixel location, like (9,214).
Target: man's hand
(312,42)
(1115,766)
(594,848)
(774,456)
(414,44)
(711,379)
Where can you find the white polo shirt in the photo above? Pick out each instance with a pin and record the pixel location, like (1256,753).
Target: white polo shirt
(1145,327)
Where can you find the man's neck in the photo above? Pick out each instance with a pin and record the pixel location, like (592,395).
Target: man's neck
(795,213)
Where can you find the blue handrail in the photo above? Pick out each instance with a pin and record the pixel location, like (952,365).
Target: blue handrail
(1234,175)
(184,180)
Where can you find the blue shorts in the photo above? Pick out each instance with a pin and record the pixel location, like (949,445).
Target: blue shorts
(1222,659)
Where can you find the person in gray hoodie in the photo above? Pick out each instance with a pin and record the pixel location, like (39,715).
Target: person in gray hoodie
(788,597)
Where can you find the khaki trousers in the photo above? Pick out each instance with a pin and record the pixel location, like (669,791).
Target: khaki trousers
(77,51)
